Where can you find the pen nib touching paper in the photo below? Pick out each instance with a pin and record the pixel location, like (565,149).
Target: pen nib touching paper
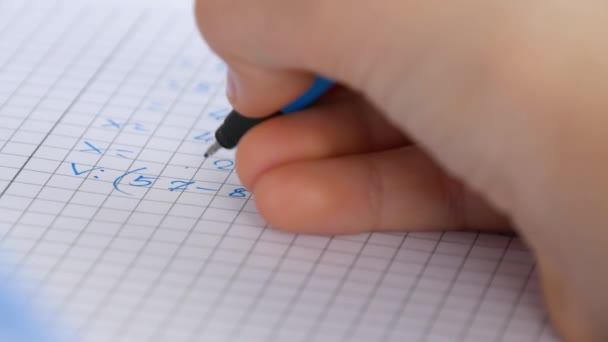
(212,150)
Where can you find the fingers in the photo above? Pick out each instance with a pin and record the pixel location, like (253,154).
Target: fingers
(343,124)
(284,162)
(273,47)
(393,190)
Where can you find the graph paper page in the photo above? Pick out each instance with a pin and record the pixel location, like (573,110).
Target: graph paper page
(114,224)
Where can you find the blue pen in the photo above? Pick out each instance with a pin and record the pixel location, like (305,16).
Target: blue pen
(236,125)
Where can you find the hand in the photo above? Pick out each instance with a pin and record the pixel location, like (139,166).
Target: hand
(477,114)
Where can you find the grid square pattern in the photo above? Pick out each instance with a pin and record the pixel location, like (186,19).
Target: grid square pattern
(112,220)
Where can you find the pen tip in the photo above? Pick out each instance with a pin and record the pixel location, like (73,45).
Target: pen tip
(212,149)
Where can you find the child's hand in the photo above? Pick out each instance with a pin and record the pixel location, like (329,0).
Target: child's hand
(460,114)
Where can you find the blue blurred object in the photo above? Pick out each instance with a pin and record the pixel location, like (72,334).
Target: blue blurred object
(17,323)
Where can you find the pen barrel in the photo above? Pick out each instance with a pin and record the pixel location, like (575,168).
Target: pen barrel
(234,128)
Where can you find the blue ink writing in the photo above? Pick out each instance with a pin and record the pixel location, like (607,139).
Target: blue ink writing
(224,164)
(78,173)
(183,185)
(117,181)
(206,189)
(111,123)
(143,181)
(119,152)
(238,192)
(202,87)
(206,137)
(156,106)
(136,126)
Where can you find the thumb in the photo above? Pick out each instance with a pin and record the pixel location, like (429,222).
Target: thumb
(267,52)
(259,92)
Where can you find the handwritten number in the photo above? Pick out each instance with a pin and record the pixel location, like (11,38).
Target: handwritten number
(183,185)
(142,181)
(206,137)
(117,181)
(238,192)
(224,164)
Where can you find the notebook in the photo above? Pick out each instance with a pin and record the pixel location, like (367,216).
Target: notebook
(117,229)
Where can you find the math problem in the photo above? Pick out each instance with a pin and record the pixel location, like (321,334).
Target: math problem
(205,136)
(138,178)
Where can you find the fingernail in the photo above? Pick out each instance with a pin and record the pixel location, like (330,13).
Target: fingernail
(231,86)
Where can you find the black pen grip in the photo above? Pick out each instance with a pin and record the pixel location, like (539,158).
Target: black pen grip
(234,128)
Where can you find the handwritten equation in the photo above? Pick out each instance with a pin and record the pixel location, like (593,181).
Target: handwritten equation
(124,182)
(129,181)
(207,137)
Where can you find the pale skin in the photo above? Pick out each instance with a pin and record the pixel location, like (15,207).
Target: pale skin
(453,114)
